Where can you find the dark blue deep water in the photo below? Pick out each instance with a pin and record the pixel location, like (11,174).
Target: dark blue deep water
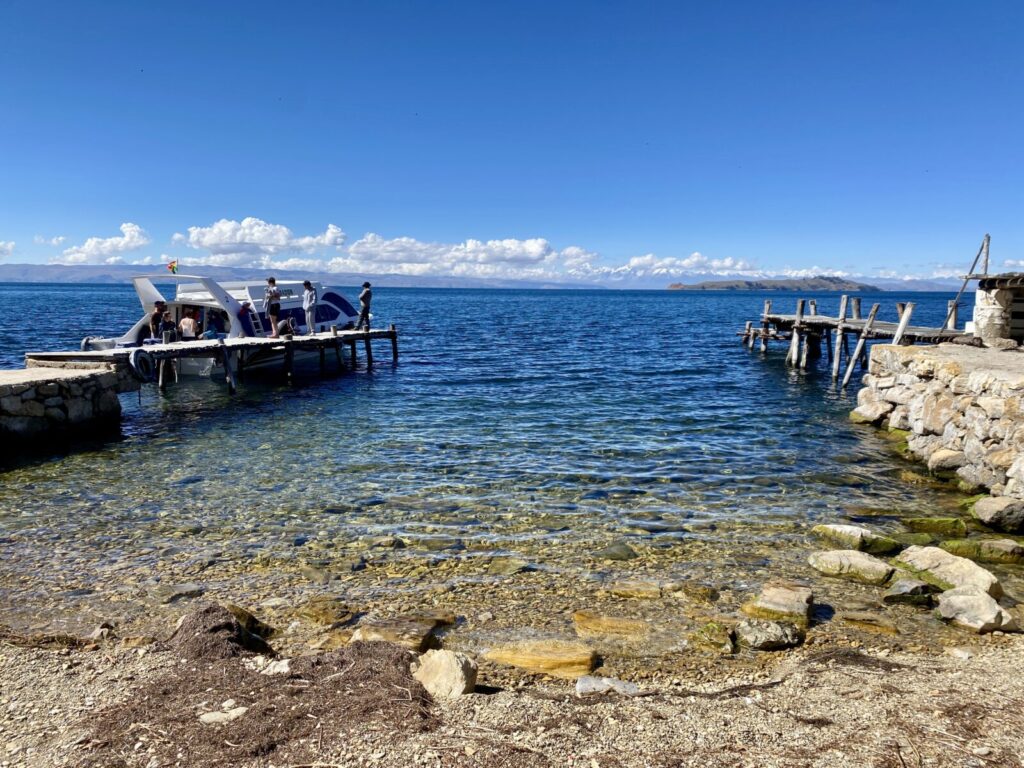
(514,419)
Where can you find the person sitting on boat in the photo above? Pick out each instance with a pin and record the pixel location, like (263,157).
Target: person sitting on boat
(157,319)
(364,307)
(272,304)
(309,299)
(187,326)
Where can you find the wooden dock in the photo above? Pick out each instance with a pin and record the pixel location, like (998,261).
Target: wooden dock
(157,362)
(804,331)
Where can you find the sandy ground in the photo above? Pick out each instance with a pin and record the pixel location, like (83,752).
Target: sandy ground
(814,706)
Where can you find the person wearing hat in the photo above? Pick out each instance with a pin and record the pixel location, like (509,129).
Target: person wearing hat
(156,320)
(309,299)
(364,307)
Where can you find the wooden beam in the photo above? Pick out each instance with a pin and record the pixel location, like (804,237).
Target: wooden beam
(289,361)
(908,310)
(840,336)
(369,352)
(794,342)
(859,349)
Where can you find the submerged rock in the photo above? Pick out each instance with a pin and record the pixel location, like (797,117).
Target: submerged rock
(943,526)
(714,637)
(986,550)
(871,413)
(874,622)
(558,658)
(910,592)
(851,564)
(761,635)
(1000,512)
(445,674)
(946,460)
(326,609)
(620,550)
(507,566)
(591,624)
(782,601)
(946,571)
(856,537)
(412,632)
(973,608)
(641,590)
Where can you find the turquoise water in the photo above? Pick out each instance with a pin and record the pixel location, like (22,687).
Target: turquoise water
(540,424)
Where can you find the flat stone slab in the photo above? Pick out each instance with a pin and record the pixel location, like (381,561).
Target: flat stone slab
(33,376)
(763,635)
(413,632)
(946,571)
(592,624)
(782,601)
(856,537)
(851,564)
(558,658)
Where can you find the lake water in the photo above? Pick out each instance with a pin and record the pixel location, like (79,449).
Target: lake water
(540,425)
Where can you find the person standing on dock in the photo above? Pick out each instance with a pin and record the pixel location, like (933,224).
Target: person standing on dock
(309,299)
(364,308)
(272,305)
(156,319)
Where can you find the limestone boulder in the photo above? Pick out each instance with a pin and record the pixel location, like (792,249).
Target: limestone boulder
(851,564)
(760,635)
(782,601)
(945,460)
(870,413)
(445,674)
(558,658)
(856,537)
(986,550)
(973,608)
(1000,512)
(947,571)
(910,592)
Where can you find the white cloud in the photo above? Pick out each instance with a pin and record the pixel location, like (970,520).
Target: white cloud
(42,240)
(251,241)
(98,249)
(6,248)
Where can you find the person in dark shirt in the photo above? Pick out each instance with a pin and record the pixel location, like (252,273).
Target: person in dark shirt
(156,320)
(364,307)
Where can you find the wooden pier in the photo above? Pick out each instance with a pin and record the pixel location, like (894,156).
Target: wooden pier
(804,331)
(158,362)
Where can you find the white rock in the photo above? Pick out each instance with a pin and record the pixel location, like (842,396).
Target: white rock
(849,563)
(947,571)
(446,674)
(589,685)
(973,608)
(218,718)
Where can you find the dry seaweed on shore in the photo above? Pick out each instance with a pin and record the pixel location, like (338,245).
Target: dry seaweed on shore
(294,717)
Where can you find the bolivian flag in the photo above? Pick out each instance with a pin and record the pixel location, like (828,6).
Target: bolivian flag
(173,267)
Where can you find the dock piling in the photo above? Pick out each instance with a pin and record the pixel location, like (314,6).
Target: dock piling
(861,341)
(793,358)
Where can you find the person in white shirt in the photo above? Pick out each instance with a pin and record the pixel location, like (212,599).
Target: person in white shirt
(187,326)
(309,299)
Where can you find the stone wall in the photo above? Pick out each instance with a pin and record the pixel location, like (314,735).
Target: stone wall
(39,401)
(963,408)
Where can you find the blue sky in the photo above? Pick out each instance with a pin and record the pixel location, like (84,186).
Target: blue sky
(610,142)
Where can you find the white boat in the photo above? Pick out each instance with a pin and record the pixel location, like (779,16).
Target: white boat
(227,310)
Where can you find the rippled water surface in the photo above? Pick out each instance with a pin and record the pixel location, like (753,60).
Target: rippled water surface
(540,424)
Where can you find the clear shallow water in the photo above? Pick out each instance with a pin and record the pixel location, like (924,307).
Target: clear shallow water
(537,423)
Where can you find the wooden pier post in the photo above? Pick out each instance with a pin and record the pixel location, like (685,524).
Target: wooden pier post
(793,358)
(352,351)
(828,344)
(855,307)
(813,306)
(394,342)
(161,382)
(225,359)
(369,352)
(337,356)
(951,311)
(900,306)
(764,324)
(840,336)
(747,331)
(859,349)
(901,329)
(289,360)
(323,359)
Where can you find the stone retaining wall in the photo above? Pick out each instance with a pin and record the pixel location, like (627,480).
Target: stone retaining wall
(38,401)
(963,408)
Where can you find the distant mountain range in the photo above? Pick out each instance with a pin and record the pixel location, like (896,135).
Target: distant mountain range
(122,273)
(811,284)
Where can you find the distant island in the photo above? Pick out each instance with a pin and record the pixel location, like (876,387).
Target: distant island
(809,284)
